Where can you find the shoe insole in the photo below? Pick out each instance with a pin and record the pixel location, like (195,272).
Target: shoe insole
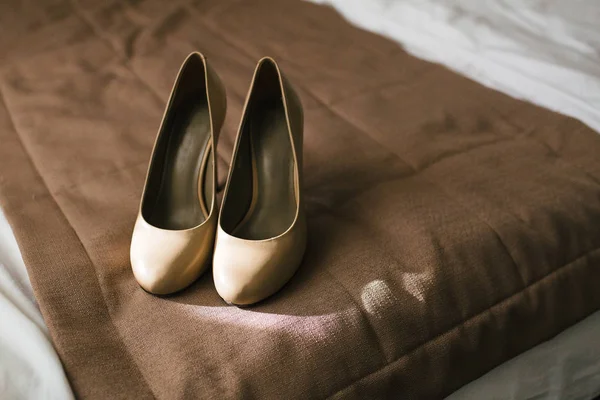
(273,206)
(185,192)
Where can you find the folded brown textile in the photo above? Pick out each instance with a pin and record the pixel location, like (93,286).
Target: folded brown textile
(450,226)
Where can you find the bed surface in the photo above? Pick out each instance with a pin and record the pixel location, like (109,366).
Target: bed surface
(546,52)
(143,63)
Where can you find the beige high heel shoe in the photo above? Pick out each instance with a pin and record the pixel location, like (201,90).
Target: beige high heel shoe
(174,233)
(261,234)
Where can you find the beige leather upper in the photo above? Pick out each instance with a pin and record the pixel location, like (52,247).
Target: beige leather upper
(165,260)
(246,269)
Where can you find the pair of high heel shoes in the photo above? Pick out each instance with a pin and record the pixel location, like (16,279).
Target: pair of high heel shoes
(257,239)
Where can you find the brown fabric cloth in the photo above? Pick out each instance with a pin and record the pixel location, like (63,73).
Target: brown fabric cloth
(450,227)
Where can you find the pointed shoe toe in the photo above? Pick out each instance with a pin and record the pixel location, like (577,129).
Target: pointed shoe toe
(246,272)
(165,261)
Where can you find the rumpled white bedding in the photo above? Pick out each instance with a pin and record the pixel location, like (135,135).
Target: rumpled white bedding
(29,366)
(545,51)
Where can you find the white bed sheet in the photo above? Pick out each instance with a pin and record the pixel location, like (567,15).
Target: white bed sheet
(545,51)
(29,366)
